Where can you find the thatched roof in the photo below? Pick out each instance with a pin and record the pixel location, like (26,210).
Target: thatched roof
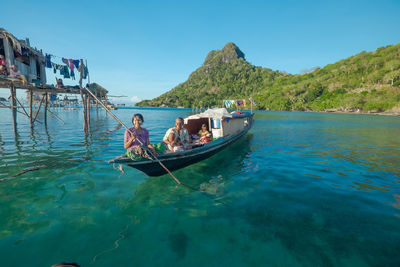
(94,87)
(19,43)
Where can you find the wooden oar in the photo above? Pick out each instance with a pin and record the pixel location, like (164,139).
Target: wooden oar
(112,115)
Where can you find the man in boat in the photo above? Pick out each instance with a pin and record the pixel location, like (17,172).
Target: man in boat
(177,138)
(136,140)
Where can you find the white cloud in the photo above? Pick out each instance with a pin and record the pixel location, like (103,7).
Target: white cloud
(135,99)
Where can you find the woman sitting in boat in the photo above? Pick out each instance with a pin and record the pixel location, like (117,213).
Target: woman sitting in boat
(137,143)
(177,138)
(205,136)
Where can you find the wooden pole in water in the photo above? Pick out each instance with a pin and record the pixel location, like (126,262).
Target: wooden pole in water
(22,107)
(88,108)
(84,111)
(30,107)
(13,106)
(37,112)
(45,108)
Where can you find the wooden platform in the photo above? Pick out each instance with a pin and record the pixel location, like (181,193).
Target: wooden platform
(13,84)
(7,83)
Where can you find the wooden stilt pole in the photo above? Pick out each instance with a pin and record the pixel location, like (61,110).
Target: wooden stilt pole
(30,107)
(88,108)
(37,112)
(83,96)
(45,108)
(13,106)
(22,107)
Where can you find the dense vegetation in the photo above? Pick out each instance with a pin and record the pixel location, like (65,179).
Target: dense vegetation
(368,81)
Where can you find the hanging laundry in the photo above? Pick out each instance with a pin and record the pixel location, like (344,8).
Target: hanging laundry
(76,63)
(86,72)
(71,64)
(239,102)
(65,61)
(58,67)
(62,72)
(228,103)
(48,61)
(54,67)
(72,75)
(252,101)
(66,72)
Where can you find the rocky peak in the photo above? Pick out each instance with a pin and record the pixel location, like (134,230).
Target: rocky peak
(229,53)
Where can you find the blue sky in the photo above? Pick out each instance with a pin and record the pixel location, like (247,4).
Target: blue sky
(142,49)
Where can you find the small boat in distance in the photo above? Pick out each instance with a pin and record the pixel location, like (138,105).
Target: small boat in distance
(226,128)
(111,106)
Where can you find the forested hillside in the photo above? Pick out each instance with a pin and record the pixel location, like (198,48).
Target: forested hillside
(368,81)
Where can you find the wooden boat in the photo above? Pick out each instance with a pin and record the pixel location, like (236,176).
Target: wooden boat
(226,128)
(111,106)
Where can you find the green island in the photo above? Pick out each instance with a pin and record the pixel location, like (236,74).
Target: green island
(368,82)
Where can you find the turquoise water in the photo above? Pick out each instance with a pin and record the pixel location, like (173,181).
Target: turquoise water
(300,189)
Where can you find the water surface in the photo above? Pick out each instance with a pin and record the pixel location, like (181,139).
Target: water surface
(299,189)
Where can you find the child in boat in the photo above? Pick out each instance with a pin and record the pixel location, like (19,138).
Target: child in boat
(137,140)
(205,136)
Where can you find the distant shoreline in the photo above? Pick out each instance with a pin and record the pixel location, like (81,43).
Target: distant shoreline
(381,113)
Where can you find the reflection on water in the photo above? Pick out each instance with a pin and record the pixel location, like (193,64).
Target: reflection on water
(299,189)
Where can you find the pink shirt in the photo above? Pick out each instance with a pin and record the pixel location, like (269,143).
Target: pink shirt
(143,137)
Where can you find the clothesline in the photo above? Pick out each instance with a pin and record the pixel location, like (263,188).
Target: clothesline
(60,57)
(238,102)
(67,70)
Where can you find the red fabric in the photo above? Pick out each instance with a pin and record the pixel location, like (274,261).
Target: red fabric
(71,64)
(65,61)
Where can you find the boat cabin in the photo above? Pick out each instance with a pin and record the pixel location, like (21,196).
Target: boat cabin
(220,123)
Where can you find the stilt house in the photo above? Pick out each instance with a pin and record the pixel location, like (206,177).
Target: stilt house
(30,61)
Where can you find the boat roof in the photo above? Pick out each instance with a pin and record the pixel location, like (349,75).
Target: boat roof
(218,113)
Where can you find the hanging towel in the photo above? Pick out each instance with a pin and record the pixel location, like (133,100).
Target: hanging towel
(72,75)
